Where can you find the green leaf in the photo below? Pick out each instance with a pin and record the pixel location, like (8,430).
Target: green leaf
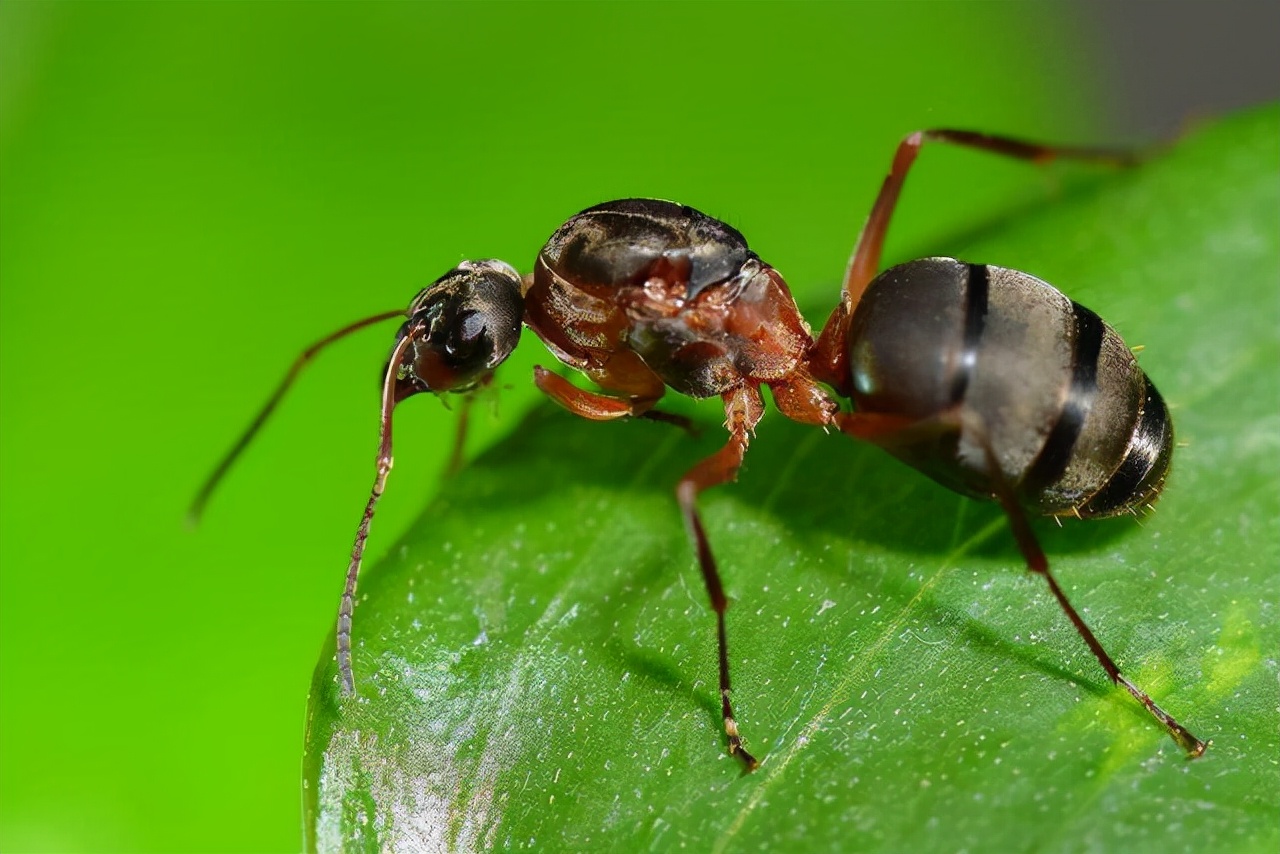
(536,661)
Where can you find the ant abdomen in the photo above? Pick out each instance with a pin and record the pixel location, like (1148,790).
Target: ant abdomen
(1074,423)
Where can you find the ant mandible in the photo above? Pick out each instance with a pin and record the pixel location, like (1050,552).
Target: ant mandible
(986,379)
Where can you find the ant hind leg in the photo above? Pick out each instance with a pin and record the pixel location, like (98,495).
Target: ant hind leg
(1038,563)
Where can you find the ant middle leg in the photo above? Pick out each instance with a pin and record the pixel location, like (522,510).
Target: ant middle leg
(743,408)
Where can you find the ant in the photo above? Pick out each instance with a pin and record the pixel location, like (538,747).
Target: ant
(986,379)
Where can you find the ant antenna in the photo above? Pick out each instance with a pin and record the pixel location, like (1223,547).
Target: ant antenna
(202,497)
(362,533)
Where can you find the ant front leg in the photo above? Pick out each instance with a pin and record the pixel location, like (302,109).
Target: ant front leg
(458,454)
(603,407)
(743,408)
(829,360)
(586,404)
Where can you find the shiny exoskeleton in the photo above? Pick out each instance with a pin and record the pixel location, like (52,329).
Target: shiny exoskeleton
(661,295)
(986,379)
(459,329)
(1077,427)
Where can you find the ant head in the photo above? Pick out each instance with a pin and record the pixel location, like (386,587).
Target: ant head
(461,326)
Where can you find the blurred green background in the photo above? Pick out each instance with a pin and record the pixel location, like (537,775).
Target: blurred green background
(192,193)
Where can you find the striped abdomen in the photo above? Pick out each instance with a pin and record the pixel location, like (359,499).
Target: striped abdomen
(1074,422)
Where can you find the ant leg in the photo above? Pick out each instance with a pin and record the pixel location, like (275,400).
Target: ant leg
(588,404)
(801,399)
(828,360)
(603,407)
(458,454)
(672,418)
(743,408)
(460,436)
(890,431)
(1039,564)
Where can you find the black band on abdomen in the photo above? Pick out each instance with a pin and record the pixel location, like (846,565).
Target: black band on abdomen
(1140,476)
(1055,455)
(976,291)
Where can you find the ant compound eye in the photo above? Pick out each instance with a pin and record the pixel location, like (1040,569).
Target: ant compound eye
(467,340)
(468,348)
(464,325)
